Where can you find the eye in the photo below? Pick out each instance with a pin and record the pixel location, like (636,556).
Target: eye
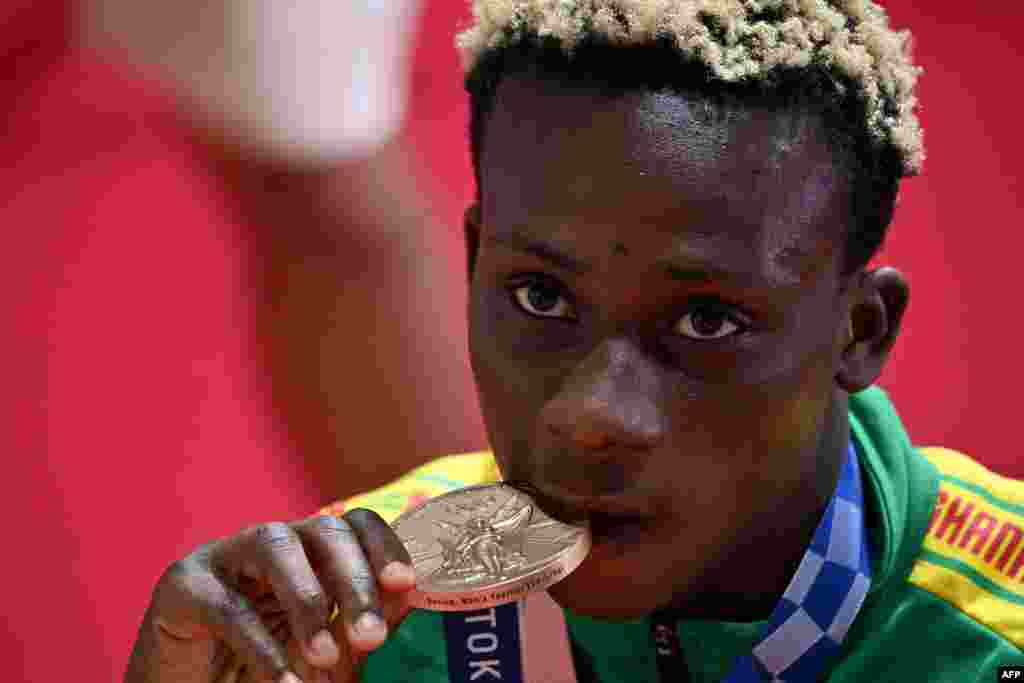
(543,300)
(708,322)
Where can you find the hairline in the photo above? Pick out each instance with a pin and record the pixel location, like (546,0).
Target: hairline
(749,95)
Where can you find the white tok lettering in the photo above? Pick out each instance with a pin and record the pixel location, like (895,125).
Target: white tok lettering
(487,666)
(482,643)
(488,616)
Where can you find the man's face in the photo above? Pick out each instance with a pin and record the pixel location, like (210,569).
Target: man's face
(656,319)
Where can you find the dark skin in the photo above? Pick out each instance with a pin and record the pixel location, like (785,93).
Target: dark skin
(660,329)
(663,339)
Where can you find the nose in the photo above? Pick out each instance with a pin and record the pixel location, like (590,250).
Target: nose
(612,400)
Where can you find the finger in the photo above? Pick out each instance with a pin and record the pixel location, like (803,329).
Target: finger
(395,607)
(387,555)
(307,672)
(274,553)
(390,561)
(192,593)
(349,577)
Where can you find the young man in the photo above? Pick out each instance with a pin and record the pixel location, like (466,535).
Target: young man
(673,329)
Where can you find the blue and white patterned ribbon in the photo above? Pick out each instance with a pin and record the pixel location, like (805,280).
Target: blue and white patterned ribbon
(811,620)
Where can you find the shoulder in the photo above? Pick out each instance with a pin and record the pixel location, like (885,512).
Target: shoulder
(972,555)
(427,481)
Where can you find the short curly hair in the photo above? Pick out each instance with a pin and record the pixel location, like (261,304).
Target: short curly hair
(837,57)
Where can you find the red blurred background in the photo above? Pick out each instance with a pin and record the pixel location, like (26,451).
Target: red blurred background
(141,428)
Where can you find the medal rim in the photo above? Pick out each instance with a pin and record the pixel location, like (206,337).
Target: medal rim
(437,600)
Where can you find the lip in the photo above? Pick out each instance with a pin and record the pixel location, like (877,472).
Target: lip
(608,509)
(618,533)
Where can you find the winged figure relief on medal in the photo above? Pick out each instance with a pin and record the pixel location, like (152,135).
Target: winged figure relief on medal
(475,539)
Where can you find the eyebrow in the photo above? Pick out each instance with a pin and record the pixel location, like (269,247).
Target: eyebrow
(678,271)
(693,274)
(542,250)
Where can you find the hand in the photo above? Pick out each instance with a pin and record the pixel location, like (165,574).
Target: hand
(257,606)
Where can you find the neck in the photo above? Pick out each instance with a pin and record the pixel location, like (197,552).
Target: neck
(731,591)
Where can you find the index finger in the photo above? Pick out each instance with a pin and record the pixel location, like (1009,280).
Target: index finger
(390,561)
(384,549)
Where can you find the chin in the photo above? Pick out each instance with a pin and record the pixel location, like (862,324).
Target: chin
(604,596)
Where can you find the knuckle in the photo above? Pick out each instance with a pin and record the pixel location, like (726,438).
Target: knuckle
(329,526)
(177,571)
(233,609)
(195,562)
(313,600)
(363,583)
(183,578)
(362,516)
(274,536)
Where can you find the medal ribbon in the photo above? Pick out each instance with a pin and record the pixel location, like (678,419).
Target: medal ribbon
(804,632)
(809,623)
(483,645)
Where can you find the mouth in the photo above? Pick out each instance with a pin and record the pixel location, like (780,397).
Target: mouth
(616,530)
(610,519)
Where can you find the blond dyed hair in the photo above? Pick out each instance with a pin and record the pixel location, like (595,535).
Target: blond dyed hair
(738,41)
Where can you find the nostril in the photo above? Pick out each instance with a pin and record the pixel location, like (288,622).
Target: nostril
(592,434)
(588,478)
(593,424)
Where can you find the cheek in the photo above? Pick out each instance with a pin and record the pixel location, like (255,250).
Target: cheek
(750,440)
(500,379)
(811,391)
(506,391)
(793,421)
(796,412)
(515,357)
(793,402)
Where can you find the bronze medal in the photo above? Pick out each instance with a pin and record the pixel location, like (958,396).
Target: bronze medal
(484,546)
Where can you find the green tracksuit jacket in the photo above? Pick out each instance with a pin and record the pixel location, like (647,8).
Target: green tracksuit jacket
(946,603)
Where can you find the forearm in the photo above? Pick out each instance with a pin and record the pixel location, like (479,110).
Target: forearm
(359,312)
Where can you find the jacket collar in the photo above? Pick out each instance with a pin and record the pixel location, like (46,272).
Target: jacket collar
(900,487)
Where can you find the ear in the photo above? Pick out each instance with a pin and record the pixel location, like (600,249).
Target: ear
(471,230)
(879,301)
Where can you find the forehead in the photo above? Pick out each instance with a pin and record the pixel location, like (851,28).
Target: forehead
(755,179)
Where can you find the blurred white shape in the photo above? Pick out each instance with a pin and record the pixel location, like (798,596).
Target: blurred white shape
(307,80)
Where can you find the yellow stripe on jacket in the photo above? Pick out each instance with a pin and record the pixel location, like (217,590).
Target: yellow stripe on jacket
(973,554)
(425,482)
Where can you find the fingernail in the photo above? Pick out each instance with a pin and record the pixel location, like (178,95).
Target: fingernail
(398,572)
(322,645)
(289,677)
(370,627)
